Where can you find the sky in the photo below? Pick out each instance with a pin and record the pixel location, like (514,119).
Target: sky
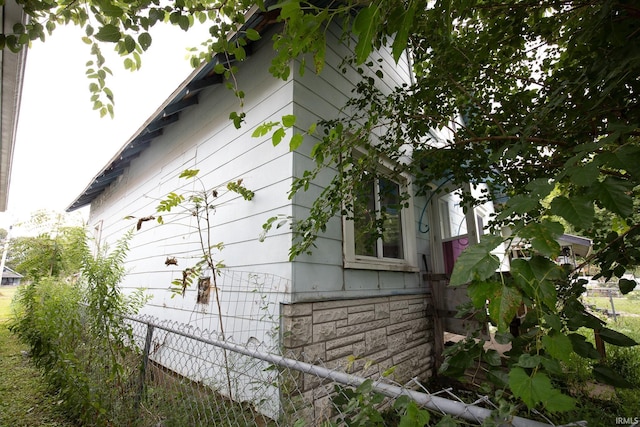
(61,143)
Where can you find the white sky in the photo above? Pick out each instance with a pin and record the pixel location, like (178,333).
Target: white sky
(61,142)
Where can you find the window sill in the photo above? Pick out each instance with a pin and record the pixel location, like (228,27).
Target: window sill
(380,265)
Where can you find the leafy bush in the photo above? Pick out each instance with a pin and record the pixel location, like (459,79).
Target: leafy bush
(78,336)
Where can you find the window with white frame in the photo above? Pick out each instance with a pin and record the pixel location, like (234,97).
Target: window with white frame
(381,233)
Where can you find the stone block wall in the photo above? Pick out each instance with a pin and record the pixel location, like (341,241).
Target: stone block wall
(351,335)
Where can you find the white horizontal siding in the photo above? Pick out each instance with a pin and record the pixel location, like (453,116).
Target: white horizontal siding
(321,275)
(204,138)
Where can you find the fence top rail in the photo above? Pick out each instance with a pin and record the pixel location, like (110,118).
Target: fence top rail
(456,408)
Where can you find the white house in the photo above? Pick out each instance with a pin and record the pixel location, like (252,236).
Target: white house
(338,302)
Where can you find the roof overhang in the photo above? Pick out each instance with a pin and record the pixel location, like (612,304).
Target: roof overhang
(12,66)
(580,246)
(185,96)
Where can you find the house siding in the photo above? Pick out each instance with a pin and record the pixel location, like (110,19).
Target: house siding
(205,139)
(367,314)
(322,274)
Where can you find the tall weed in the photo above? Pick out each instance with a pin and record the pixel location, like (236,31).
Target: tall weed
(78,336)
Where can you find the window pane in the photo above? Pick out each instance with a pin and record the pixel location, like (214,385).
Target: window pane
(391,206)
(364,219)
(453,222)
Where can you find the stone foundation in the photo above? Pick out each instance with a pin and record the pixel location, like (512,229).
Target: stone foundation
(364,336)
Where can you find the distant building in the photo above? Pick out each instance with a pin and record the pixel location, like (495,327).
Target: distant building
(10,277)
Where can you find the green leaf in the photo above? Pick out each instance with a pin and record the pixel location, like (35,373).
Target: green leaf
(553,321)
(558,402)
(476,262)
(626,285)
(536,277)
(296,141)
(263,129)
(585,175)
(530,389)
(109,8)
(519,205)
(498,377)
(543,236)
(576,211)
(400,41)
(558,346)
(129,43)
(616,338)
(612,194)
(145,40)
(277,136)
(365,26)
(414,416)
(479,292)
(629,158)
(109,33)
(239,53)
(288,120)
(537,389)
(529,361)
(252,34)
(503,305)
(607,375)
(583,348)
(448,421)
(189,173)
(492,357)
(540,188)
(184,23)
(237,119)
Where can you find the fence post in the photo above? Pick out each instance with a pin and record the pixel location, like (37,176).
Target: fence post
(143,366)
(613,307)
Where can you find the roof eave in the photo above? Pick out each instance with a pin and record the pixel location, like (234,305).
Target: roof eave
(167,113)
(12,65)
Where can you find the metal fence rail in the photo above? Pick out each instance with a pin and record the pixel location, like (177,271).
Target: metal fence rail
(190,377)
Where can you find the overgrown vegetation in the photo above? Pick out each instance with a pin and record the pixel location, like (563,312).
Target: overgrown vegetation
(25,399)
(54,250)
(78,337)
(537,99)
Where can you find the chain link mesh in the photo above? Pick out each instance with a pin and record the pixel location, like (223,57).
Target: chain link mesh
(172,373)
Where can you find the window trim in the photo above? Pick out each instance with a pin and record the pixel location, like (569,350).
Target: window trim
(409,245)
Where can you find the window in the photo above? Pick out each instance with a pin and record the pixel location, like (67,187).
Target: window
(381,234)
(459,227)
(453,228)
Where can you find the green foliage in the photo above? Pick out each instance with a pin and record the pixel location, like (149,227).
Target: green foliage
(487,76)
(536,389)
(477,263)
(55,251)
(201,205)
(24,396)
(237,187)
(537,99)
(77,335)
(126,26)
(362,406)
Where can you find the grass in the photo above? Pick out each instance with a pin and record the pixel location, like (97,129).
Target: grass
(622,305)
(24,398)
(6,295)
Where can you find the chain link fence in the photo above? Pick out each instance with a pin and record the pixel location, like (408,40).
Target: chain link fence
(220,383)
(173,373)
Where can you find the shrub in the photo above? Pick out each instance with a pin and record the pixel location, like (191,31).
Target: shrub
(79,338)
